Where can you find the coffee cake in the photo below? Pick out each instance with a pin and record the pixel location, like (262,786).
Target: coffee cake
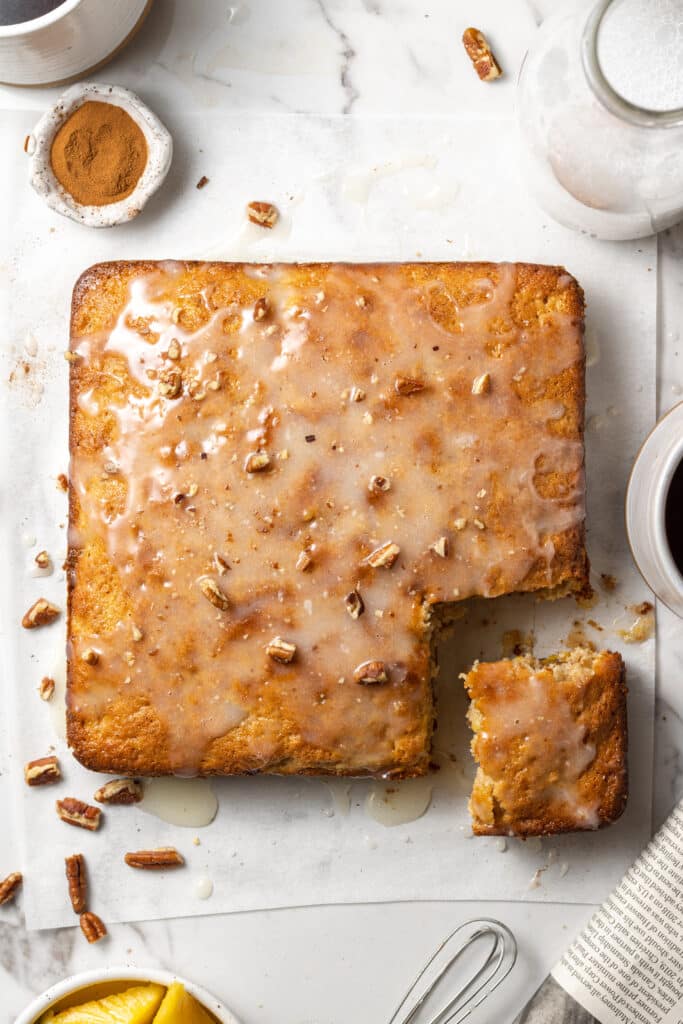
(282,479)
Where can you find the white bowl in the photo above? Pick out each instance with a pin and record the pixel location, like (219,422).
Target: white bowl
(39,147)
(134,974)
(646,496)
(69,42)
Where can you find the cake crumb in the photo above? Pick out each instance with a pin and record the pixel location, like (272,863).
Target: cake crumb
(514,643)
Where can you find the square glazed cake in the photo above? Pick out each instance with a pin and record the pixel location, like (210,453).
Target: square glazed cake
(283,477)
(550,740)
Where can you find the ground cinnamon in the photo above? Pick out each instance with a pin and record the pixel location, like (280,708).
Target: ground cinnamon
(99,154)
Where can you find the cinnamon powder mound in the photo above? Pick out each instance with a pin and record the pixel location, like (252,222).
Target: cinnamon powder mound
(99,154)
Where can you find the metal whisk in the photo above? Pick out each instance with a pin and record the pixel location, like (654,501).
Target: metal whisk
(492,954)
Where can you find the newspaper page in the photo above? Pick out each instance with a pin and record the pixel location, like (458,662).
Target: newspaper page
(626,967)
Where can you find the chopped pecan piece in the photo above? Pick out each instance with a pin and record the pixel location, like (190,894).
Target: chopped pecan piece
(371,672)
(76,812)
(261,309)
(46,688)
(202,181)
(90,656)
(42,771)
(92,926)
(354,604)
(481,385)
(9,886)
(481,55)
(408,385)
(43,560)
(256,462)
(213,593)
(384,556)
(170,383)
(281,650)
(164,857)
(222,564)
(119,791)
(440,547)
(263,214)
(304,561)
(356,394)
(379,484)
(77,881)
(41,613)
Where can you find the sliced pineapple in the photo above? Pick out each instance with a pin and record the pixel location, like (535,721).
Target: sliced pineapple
(179,1007)
(137,1005)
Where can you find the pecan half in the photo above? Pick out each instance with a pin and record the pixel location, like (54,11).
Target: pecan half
(119,791)
(10,886)
(371,672)
(46,688)
(76,812)
(384,556)
(281,650)
(408,385)
(41,613)
(354,605)
(481,55)
(42,771)
(164,857)
(92,926)
(77,881)
(213,593)
(263,214)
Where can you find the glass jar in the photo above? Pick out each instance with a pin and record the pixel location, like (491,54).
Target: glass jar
(596,160)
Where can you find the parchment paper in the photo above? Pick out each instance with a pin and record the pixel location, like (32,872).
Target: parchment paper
(349,189)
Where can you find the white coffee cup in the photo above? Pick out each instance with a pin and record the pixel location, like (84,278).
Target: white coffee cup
(69,42)
(646,496)
(135,975)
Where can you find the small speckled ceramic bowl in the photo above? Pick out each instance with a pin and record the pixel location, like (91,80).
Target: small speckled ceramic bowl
(39,145)
(646,496)
(81,983)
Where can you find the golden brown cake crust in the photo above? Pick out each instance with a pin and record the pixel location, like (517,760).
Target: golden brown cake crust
(550,739)
(460,384)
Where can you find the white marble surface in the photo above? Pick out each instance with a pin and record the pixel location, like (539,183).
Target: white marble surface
(336,964)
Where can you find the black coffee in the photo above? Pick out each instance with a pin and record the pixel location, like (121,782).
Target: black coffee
(673,516)
(14,12)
